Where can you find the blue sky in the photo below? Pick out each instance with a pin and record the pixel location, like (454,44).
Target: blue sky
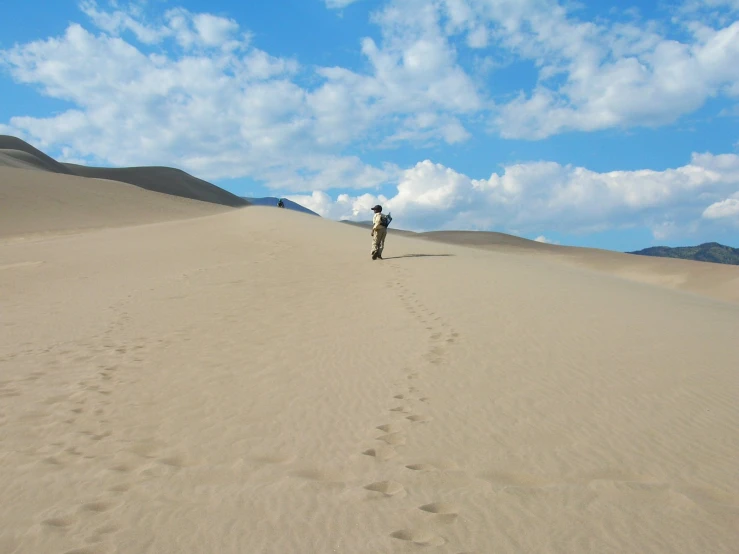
(603,124)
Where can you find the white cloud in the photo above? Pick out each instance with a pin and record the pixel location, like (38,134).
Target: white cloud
(416,90)
(214,31)
(724,209)
(230,112)
(120,21)
(336,4)
(539,195)
(210,102)
(189,30)
(598,75)
(344,207)
(545,240)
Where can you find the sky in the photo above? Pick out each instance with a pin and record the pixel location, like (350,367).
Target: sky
(604,124)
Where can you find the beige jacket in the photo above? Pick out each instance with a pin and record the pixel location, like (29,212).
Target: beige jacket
(376,222)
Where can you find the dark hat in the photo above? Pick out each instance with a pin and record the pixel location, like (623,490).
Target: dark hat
(377,208)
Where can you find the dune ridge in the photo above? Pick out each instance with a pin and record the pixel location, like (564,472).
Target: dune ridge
(18,149)
(18,154)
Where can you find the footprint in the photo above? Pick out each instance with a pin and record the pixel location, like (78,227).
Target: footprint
(420,537)
(404,409)
(381,452)
(399,396)
(441,508)
(390,428)
(59,522)
(421,467)
(396,439)
(418,418)
(97,507)
(107,529)
(388,488)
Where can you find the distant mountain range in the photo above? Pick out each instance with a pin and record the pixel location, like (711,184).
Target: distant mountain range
(272,201)
(708,252)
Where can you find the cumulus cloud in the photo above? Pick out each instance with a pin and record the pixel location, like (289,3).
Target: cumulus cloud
(415,90)
(598,75)
(591,76)
(219,108)
(545,240)
(531,196)
(207,100)
(724,209)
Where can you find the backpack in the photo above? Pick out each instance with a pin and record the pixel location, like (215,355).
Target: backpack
(385,220)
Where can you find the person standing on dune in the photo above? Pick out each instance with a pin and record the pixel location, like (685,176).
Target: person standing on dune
(380,222)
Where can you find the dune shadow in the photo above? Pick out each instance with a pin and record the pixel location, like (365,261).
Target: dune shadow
(418,256)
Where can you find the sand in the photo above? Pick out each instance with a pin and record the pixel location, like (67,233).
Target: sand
(18,154)
(37,204)
(249,381)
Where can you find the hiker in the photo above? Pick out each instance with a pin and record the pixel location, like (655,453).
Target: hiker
(380,222)
(280,204)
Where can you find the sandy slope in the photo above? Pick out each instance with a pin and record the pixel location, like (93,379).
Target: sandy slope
(16,153)
(715,280)
(251,382)
(39,203)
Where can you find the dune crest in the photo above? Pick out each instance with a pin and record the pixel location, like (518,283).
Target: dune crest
(18,154)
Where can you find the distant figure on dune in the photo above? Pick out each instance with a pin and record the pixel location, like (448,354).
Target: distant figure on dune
(280,203)
(380,223)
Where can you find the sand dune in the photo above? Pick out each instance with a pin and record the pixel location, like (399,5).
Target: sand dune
(19,159)
(18,154)
(713,280)
(16,149)
(718,281)
(165,180)
(39,203)
(251,382)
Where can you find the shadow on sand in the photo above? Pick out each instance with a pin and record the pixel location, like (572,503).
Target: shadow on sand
(417,256)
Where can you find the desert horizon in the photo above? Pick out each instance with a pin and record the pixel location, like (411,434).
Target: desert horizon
(182,376)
